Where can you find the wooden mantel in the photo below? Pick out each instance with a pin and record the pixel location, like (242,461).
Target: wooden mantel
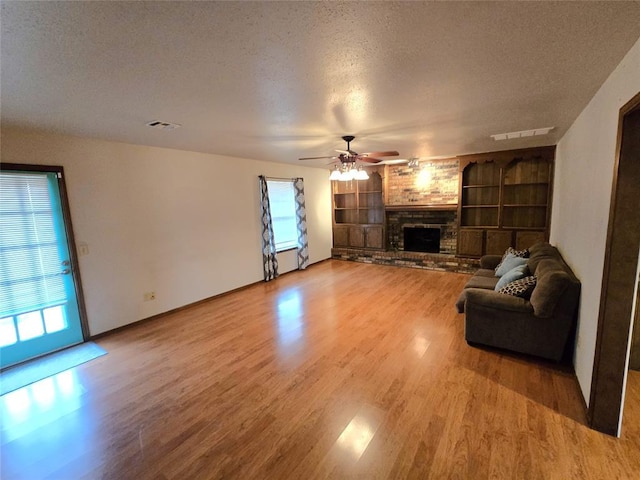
(408,208)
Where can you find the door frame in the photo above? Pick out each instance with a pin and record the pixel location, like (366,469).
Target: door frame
(66,214)
(611,361)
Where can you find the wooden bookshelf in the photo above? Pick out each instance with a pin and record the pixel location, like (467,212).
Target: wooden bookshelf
(505,200)
(359,213)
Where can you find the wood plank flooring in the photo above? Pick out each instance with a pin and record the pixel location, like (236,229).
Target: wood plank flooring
(345,370)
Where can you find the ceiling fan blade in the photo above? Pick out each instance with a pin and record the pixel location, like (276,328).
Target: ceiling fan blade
(316,158)
(391,153)
(348,156)
(396,161)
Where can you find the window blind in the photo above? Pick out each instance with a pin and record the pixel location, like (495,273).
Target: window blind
(30,262)
(283,213)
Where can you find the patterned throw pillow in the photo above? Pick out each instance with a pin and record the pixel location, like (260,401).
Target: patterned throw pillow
(520,288)
(516,253)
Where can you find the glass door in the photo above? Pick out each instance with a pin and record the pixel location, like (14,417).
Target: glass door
(39,310)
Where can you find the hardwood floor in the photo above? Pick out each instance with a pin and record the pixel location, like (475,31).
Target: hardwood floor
(346,370)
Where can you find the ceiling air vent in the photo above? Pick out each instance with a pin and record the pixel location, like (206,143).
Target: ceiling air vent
(523,133)
(162,125)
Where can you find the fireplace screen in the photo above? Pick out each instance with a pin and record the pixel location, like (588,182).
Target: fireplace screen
(421,239)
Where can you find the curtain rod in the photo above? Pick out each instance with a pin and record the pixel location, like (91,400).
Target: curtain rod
(280,178)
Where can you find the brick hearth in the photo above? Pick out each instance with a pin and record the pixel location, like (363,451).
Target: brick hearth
(430,261)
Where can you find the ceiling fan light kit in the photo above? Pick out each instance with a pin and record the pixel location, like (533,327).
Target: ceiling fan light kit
(361,174)
(347,173)
(348,170)
(336,174)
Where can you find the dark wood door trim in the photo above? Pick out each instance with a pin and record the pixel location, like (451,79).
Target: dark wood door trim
(634,355)
(609,368)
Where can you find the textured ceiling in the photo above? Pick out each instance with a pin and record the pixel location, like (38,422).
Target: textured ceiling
(281,80)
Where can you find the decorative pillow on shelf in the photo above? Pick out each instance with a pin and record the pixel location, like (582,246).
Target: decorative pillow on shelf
(516,273)
(520,288)
(509,262)
(516,253)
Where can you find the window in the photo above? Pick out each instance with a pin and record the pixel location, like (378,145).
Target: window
(283,214)
(30,261)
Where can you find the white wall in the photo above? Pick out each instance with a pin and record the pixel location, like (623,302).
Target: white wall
(183,224)
(585,160)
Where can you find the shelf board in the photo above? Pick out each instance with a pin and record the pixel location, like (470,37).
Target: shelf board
(480,206)
(513,227)
(355,224)
(484,227)
(480,186)
(546,184)
(521,205)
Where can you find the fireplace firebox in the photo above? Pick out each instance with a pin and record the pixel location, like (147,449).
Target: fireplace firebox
(421,239)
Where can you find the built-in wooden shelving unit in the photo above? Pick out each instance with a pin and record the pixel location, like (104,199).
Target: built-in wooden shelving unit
(505,200)
(359,213)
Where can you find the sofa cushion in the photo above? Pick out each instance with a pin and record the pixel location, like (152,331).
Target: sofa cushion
(496,303)
(490,261)
(510,262)
(541,247)
(516,273)
(520,288)
(552,283)
(479,281)
(485,272)
(539,252)
(462,298)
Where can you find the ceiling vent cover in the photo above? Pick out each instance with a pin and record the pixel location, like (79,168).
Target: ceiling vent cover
(157,124)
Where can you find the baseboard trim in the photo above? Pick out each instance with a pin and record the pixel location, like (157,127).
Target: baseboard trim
(190,305)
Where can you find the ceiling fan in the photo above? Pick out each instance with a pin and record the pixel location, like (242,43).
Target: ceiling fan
(348,158)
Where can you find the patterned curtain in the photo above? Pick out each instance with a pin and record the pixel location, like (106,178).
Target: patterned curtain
(301,221)
(269,260)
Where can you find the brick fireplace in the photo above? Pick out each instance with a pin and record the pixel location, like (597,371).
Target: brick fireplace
(445,220)
(418,198)
(441,217)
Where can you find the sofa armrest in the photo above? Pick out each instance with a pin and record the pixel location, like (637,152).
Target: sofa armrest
(490,261)
(498,301)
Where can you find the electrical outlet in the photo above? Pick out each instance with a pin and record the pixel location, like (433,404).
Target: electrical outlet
(149,296)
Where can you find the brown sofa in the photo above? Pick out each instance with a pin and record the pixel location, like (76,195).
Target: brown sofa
(541,325)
